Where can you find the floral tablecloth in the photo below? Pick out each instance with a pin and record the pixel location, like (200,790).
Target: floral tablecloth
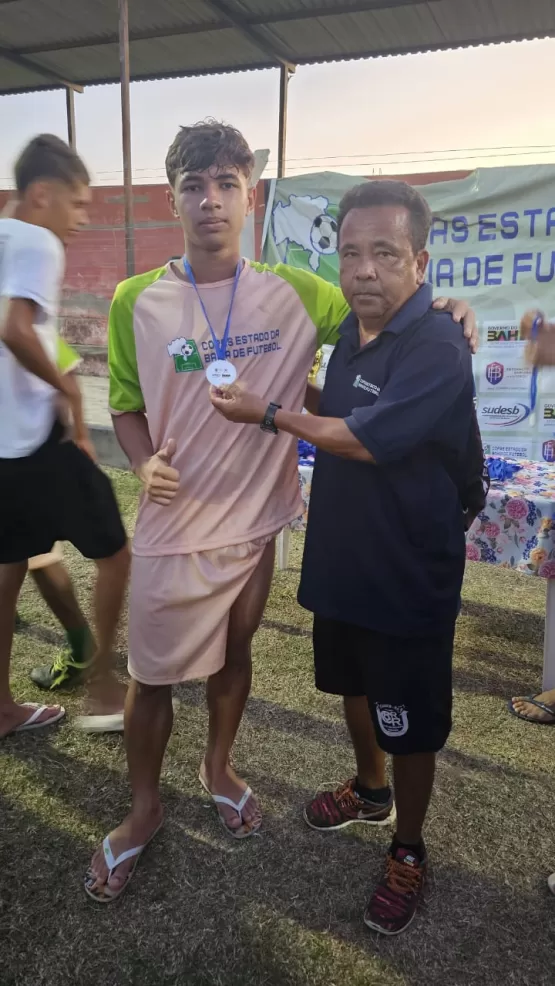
(516,528)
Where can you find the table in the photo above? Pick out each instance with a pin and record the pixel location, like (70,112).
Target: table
(515,530)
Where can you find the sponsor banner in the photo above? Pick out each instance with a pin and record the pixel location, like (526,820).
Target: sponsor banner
(508,413)
(511,450)
(502,369)
(492,242)
(546,414)
(500,333)
(545,451)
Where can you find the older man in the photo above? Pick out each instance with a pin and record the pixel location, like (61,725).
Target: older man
(398,451)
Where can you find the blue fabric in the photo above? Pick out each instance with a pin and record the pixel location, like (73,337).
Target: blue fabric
(499,469)
(534,378)
(305,452)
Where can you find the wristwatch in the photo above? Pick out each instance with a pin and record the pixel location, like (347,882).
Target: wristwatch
(268,421)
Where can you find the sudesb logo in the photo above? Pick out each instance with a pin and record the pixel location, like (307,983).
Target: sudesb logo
(502,416)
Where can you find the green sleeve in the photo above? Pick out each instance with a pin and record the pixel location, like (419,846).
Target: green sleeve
(125,387)
(324,302)
(66,357)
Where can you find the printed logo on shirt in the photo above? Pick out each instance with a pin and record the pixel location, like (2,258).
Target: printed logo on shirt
(370,388)
(185,355)
(393,719)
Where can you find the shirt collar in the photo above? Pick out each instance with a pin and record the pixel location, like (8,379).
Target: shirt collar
(413,309)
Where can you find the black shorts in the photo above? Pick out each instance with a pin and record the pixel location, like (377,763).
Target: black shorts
(57,494)
(407,681)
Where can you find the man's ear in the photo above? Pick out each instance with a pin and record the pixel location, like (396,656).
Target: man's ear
(422,259)
(171,202)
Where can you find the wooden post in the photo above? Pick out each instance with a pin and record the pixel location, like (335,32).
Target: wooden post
(285,73)
(126,136)
(70,112)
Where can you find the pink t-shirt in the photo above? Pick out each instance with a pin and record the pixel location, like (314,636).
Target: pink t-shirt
(236,482)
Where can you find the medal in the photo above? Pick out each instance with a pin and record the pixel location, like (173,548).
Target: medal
(220,372)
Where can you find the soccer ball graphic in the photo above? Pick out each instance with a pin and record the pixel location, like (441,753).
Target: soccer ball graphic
(323,234)
(187,350)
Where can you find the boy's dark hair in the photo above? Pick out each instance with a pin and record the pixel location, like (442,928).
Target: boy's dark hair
(47,157)
(388,192)
(205,145)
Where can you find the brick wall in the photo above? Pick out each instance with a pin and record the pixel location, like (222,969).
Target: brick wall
(96,259)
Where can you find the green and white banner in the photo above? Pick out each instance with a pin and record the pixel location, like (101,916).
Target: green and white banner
(493,243)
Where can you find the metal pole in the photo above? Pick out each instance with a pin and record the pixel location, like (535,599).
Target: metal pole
(126,136)
(285,73)
(70,113)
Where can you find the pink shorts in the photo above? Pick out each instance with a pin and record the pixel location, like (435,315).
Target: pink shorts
(179,609)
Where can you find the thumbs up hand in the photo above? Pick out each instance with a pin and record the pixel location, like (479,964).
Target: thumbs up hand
(160,480)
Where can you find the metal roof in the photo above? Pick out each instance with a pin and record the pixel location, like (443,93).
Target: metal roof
(48,43)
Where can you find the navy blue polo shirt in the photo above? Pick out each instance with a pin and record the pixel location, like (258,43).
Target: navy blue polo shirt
(385,544)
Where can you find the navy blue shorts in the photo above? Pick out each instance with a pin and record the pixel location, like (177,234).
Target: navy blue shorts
(406,680)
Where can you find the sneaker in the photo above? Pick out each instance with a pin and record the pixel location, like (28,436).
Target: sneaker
(65,672)
(332,810)
(551,883)
(393,904)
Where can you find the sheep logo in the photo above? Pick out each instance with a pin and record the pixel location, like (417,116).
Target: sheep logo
(185,355)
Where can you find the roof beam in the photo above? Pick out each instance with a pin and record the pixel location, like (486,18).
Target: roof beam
(28,63)
(347,7)
(250,32)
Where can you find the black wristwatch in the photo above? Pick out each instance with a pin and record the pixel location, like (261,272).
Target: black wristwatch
(268,421)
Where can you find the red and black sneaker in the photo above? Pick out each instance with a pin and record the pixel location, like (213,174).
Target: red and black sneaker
(393,904)
(332,810)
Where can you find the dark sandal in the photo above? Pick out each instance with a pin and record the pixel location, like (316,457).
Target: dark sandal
(532,700)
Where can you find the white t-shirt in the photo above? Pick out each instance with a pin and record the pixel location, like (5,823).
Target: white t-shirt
(32,264)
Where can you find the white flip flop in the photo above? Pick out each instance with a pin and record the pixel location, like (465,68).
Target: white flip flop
(100,724)
(32,723)
(247,829)
(104,894)
(107,724)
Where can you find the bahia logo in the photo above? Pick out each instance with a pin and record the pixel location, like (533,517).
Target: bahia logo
(548,450)
(504,415)
(495,373)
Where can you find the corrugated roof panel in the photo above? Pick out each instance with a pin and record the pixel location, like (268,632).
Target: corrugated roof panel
(78,41)
(27,23)
(176,54)
(338,36)
(494,18)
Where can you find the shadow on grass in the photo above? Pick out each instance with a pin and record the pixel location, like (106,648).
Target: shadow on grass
(519,626)
(283,909)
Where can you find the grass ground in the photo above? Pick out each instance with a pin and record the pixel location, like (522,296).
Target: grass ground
(284,908)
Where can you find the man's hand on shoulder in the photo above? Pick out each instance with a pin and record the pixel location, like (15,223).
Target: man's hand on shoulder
(160,480)
(461,312)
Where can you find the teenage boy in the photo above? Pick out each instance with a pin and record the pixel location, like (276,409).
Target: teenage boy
(214,496)
(50,488)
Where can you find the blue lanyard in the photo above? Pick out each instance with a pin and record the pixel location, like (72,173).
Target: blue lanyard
(220,345)
(534,380)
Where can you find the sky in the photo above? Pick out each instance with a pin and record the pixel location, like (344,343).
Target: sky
(485,106)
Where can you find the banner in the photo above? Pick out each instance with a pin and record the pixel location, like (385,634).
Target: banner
(492,242)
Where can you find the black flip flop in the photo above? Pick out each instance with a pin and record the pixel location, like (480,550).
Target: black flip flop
(539,705)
